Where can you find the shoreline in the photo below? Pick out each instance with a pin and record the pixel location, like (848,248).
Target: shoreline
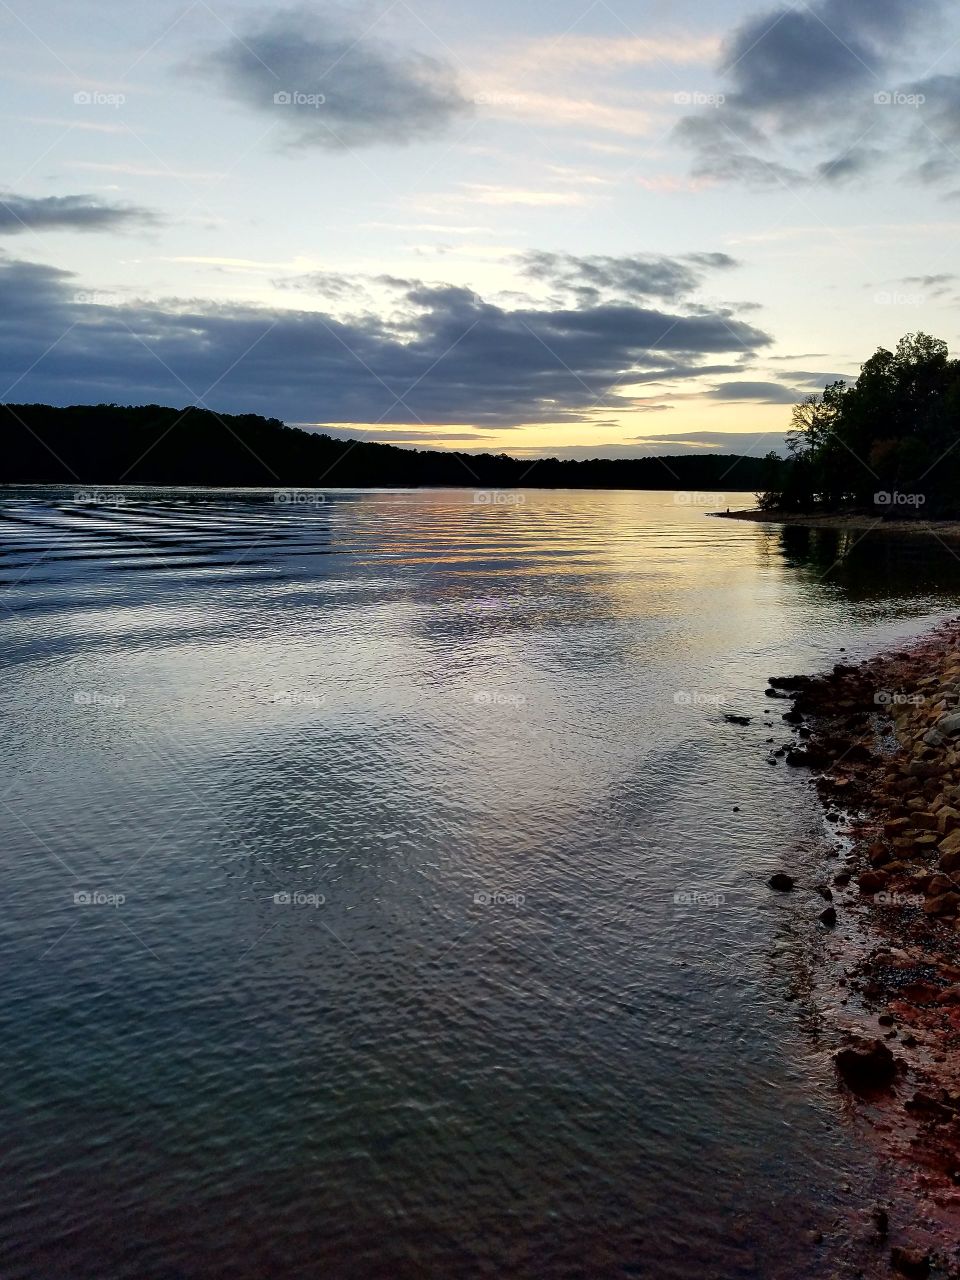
(854,522)
(882,742)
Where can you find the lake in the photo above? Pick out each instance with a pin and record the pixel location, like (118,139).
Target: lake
(385,891)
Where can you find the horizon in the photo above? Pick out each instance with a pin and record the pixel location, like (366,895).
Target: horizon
(532,233)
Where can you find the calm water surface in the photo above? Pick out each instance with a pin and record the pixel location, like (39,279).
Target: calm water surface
(341,846)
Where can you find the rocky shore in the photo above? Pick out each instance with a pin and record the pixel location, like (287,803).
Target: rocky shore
(883,741)
(854,521)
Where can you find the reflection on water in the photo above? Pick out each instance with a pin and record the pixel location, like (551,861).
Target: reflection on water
(375,903)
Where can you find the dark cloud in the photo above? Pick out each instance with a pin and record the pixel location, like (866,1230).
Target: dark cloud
(804,79)
(594,278)
(761,392)
(452,358)
(329,83)
(809,55)
(67,213)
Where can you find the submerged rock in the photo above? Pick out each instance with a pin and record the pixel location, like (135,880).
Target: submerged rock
(781,882)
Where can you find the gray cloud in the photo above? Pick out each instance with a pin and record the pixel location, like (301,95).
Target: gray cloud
(761,392)
(810,72)
(453,358)
(331,84)
(67,213)
(594,278)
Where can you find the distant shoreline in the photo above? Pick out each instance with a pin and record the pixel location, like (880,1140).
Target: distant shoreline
(846,521)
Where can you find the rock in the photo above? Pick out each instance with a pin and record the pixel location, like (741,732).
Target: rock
(948,819)
(910,1263)
(946,905)
(896,826)
(808,757)
(825,892)
(842,879)
(732,719)
(950,724)
(950,996)
(829,917)
(781,882)
(793,717)
(951,844)
(872,881)
(920,992)
(940,885)
(949,862)
(933,738)
(866,1065)
(886,1019)
(925,820)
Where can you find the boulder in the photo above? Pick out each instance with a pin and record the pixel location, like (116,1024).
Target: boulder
(950,724)
(939,885)
(925,820)
(866,1065)
(829,917)
(951,844)
(945,905)
(910,1263)
(872,881)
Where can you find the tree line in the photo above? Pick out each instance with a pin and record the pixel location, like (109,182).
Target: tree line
(150,444)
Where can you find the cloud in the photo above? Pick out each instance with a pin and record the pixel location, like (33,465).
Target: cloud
(761,392)
(329,83)
(443,355)
(67,213)
(753,444)
(804,79)
(592,278)
(749,443)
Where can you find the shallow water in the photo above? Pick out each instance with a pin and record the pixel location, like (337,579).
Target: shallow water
(481,747)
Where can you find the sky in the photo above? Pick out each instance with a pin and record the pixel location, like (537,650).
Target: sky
(584,229)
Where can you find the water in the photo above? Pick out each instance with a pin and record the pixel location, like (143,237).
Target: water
(481,747)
